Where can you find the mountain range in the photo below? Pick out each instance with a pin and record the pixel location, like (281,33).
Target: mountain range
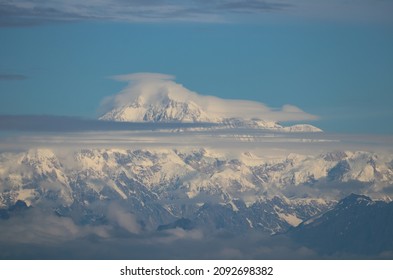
(161,186)
(136,191)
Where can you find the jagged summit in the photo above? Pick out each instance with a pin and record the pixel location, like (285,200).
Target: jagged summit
(355,199)
(161,110)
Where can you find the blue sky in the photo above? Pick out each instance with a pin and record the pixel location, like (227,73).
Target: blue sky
(331,59)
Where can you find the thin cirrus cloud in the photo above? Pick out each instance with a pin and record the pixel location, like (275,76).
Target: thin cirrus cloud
(12,77)
(16,13)
(25,13)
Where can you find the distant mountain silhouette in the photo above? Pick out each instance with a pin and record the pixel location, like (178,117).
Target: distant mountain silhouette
(356,225)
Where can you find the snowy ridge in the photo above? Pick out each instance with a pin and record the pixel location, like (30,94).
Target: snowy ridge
(164,183)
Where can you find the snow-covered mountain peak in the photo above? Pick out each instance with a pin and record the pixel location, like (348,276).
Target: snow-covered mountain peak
(159,101)
(156,99)
(42,160)
(335,156)
(40,154)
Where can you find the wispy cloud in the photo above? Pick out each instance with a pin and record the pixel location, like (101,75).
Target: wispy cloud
(123,219)
(12,77)
(29,13)
(31,228)
(21,13)
(39,235)
(251,6)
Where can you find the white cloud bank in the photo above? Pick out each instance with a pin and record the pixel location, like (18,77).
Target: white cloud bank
(154,88)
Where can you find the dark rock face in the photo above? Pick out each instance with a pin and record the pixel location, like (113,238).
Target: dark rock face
(357,225)
(19,207)
(337,172)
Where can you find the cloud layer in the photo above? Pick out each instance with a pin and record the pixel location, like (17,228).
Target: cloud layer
(153,89)
(28,13)
(47,123)
(25,13)
(39,235)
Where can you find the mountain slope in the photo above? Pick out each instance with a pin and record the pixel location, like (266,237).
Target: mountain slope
(356,225)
